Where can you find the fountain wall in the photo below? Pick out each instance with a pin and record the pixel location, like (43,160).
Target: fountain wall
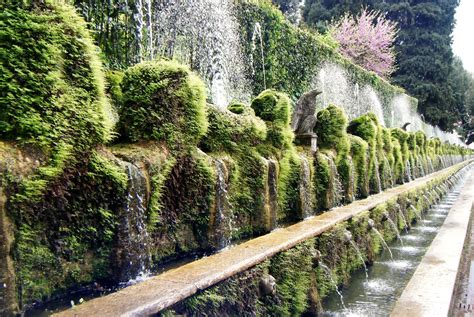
(181,177)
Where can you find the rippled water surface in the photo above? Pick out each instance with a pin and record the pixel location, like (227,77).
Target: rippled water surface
(387,278)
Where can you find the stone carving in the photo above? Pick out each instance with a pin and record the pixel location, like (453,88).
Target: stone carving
(304,120)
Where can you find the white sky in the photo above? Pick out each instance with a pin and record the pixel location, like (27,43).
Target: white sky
(463,34)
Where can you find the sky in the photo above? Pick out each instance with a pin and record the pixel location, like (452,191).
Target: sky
(463,34)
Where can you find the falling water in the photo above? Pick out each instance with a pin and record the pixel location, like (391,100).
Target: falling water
(388,176)
(150,29)
(133,236)
(138,16)
(415,211)
(384,243)
(271,196)
(359,254)
(394,227)
(203,34)
(378,182)
(257,32)
(222,222)
(420,166)
(351,188)
(430,165)
(408,176)
(305,188)
(402,216)
(336,185)
(328,272)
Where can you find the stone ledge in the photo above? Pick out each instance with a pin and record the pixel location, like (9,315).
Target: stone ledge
(430,289)
(170,287)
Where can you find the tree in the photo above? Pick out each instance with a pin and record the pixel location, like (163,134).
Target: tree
(423,48)
(367,39)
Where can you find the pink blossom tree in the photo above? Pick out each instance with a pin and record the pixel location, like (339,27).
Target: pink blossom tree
(367,40)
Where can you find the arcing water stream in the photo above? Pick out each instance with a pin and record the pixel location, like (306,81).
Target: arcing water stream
(387,277)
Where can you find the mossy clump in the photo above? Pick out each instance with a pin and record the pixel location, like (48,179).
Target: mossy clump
(367,128)
(232,132)
(359,159)
(331,123)
(289,178)
(237,108)
(51,82)
(275,109)
(163,101)
(68,238)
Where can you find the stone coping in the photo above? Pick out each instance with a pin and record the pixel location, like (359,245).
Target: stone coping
(430,289)
(170,287)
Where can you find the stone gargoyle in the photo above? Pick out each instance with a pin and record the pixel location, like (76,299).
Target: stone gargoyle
(303,119)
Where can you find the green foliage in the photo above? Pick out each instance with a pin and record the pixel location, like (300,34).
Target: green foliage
(163,101)
(330,127)
(289,179)
(51,83)
(292,271)
(275,109)
(359,158)
(231,132)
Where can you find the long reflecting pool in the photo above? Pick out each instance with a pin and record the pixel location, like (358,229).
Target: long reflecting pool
(387,278)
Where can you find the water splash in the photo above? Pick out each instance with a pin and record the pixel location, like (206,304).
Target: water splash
(203,34)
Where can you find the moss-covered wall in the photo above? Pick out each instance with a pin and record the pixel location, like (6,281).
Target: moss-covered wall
(176,177)
(294,282)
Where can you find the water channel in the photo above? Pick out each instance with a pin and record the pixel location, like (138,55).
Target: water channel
(377,294)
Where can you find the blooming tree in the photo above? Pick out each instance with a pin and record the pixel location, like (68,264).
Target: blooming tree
(367,40)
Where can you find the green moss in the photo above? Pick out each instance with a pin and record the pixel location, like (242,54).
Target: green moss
(331,127)
(66,238)
(237,108)
(288,186)
(231,132)
(359,158)
(275,109)
(367,128)
(163,101)
(114,91)
(183,194)
(292,271)
(52,86)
